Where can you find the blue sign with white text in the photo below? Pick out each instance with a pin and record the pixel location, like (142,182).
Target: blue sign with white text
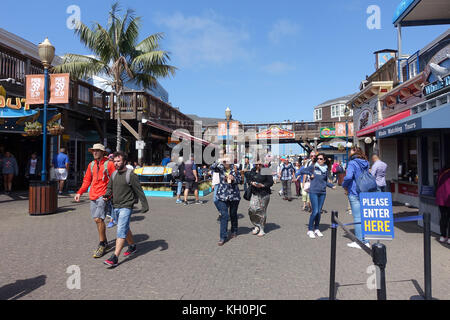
(377,218)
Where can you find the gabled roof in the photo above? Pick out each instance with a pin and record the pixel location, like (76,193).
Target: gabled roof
(343,99)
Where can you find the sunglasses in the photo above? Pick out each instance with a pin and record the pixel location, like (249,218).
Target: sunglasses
(320,159)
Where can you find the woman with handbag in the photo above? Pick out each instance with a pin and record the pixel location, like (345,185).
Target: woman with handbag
(261,180)
(228,196)
(305,185)
(318,172)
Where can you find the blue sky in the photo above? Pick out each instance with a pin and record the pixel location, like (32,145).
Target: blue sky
(267,61)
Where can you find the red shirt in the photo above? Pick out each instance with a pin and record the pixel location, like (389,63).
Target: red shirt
(98,179)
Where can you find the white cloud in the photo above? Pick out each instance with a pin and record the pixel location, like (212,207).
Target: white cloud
(199,40)
(281,29)
(277,68)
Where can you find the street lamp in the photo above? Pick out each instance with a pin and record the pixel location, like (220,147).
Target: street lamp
(228,117)
(46,53)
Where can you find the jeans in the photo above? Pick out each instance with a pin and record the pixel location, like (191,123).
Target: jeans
(356,213)
(123,221)
(227,209)
(215,200)
(445,221)
(317,201)
(286,188)
(179,187)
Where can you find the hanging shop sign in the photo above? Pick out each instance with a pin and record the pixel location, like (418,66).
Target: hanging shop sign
(327,133)
(365,119)
(275,133)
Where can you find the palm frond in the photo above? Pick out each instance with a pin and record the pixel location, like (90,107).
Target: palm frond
(150,43)
(80,66)
(148,61)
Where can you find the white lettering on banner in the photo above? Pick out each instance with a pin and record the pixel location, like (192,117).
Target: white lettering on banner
(35,86)
(376,202)
(410,126)
(376,213)
(60,86)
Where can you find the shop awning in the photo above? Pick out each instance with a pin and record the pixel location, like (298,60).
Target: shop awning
(435,118)
(421,13)
(383,123)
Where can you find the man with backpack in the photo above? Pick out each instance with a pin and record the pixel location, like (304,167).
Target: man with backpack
(97,177)
(124,187)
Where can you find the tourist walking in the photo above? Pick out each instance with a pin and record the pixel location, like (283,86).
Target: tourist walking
(228,197)
(286,175)
(34,167)
(318,173)
(246,168)
(305,185)
(443,201)
(61,165)
(124,187)
(298,179)
(378,170)
(96,178)
(9,170)
(178,174)
(356,166)
(260,181)
(191,180)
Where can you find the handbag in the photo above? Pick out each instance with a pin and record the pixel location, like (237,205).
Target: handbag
(307,184)
(248,193)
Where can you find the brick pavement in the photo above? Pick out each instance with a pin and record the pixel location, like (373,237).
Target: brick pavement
(179,258)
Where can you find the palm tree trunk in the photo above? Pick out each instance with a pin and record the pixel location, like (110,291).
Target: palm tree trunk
(119,124)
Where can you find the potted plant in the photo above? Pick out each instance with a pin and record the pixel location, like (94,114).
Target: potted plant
(33,128)
(55,128)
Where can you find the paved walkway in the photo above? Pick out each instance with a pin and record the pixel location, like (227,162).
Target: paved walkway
(179,258)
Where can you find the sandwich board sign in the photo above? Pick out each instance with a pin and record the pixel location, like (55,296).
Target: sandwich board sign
(377,219)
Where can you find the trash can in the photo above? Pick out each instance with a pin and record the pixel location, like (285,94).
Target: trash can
(43,197)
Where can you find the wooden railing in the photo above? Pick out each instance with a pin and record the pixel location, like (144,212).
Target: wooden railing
(138,105)
(15,66)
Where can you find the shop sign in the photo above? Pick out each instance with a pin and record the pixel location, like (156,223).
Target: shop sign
(275,133)
(401,128)
(377,216)
(365,119)
(327,132)
(15,108)
(437,86)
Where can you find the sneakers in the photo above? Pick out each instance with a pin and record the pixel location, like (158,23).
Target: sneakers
(356,246)
(255,231)
(318,233)
(100,251)
(113,261)
(261,233)
(179,201)
(111,224)
(185,203)
(131,250)
(199,202)
(311,234)
(443,239)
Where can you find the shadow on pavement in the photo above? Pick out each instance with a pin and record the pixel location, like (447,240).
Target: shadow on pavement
(136,218)
(21,288)
(146,247)
(271,227)
(14,196)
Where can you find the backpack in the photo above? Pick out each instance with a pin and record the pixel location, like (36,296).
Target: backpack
(128,180)
(176,171)
(366,182)
(105,169)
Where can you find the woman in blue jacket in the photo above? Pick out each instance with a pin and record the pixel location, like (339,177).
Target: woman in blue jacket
(358,163)
(318,172)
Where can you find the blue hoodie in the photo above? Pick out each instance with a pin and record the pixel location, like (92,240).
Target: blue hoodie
(354,169)
(320,182)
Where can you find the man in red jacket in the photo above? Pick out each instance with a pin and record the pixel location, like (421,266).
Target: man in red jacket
(97,177)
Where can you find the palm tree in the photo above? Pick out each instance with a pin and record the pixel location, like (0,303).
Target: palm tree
(119,56)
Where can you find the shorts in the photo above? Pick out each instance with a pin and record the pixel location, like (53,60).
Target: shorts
(61,174)
(191,185)
(123,221)
(305,196)
(99,208)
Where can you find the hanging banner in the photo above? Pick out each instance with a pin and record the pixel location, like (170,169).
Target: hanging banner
(340,129)
(35,89)
(59,88)
(275,132)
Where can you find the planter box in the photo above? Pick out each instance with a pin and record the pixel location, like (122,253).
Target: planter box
(203,193)
(163,194)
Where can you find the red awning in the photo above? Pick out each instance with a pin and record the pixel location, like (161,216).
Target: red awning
(383,123)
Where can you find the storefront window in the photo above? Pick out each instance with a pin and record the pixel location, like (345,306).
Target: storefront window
(407,160)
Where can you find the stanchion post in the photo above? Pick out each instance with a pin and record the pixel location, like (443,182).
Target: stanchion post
(334,215)
(380,259)
(427,253)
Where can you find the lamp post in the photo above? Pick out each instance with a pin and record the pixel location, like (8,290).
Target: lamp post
(228,117)
(46,53)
